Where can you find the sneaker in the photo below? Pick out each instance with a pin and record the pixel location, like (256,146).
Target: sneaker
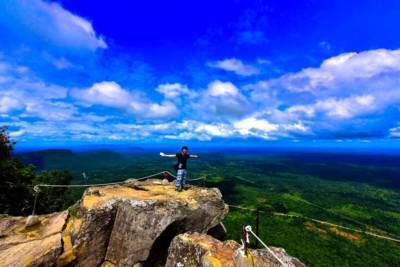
(178,189)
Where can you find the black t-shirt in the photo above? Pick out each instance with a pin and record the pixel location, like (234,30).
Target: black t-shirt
(182,160)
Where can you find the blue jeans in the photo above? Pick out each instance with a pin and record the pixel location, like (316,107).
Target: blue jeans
(181,175)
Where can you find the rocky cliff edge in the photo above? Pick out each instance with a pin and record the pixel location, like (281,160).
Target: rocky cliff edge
(123,225)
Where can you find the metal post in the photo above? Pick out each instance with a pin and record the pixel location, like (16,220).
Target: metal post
(257,224)
(245,240)
(35,203)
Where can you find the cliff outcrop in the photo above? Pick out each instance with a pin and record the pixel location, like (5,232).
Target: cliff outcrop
(120,225)
(195,249)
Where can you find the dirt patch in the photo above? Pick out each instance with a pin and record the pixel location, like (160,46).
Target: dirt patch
(353,237)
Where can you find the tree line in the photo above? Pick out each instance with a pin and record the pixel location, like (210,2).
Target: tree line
(17,180)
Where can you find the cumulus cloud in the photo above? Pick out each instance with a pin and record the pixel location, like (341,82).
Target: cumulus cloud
(163,110)
(338,108)
(242,128)
(254,126)
(395,132)
(111,94)
(18,133)
(363,87)
(348,69)
(236,66)
(107,93)
(352,95)
(173,90)
(221,99)
(8,103)
(32,21)
(22,93)
(218,88)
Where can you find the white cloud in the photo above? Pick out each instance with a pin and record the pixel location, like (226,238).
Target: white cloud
(218,88)
(8,104)
(345,69)
(34,20)
(325,45)
(331,101)
(249,127)
(173,90)
(255,127)
(24,94)
(111,94)
(338,108)
(18,133)
(236,66)
(214,130)
(394,132)
(107,93)
(221,99)
(164,110)
(296,127)
(60,63)
(360,87)
(49,110)
(348,107)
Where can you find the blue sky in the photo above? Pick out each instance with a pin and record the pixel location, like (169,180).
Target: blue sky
(98,72)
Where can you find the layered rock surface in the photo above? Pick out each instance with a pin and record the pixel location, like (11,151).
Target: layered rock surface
(195,249)
(119,225)
(122,225)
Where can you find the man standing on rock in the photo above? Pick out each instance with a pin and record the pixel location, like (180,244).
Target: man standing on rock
(180,167)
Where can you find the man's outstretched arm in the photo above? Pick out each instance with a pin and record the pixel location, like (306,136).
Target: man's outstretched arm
(193,156)
(162,154)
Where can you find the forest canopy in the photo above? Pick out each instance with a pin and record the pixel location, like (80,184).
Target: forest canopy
(17,180)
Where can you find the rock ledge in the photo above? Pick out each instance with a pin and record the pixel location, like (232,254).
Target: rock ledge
(126,225)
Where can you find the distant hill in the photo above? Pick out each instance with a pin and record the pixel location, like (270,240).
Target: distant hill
(39,158)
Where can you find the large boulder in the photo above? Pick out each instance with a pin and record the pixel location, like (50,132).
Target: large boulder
(37,245)
(201,250)
(129,225)
(116,225)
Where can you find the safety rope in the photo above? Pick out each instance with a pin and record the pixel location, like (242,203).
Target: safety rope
(380,236)
(35,203)
(336,225)
(242,208)
(248,229)
(348,218)
(196,179)
(36,188)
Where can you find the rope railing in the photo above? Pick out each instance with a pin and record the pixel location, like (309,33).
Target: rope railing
(249,229)
(336,225)
(347,218)
(380,236)
(36,188)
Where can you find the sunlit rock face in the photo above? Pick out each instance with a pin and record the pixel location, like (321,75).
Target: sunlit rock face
(38,245)
(135,224)
(112,225)
(195,249)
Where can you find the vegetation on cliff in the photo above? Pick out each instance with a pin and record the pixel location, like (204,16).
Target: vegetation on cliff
(346,189)
(17,180)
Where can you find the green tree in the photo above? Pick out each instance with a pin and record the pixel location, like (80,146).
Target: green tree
(6,144)
(53,198)
(17,180)
(280,207)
